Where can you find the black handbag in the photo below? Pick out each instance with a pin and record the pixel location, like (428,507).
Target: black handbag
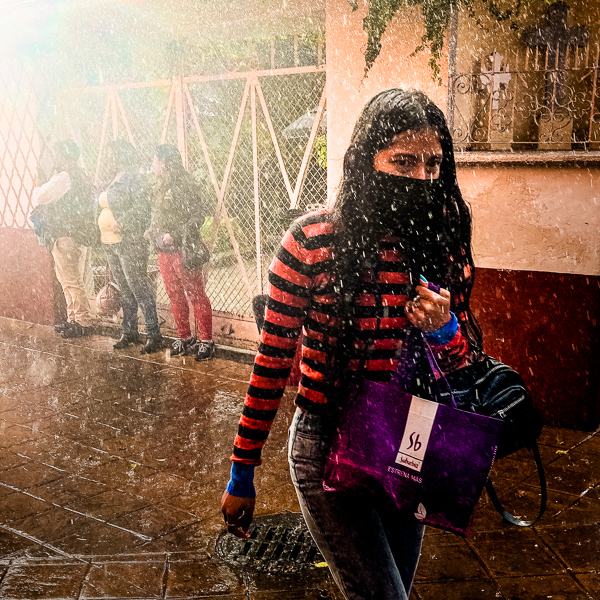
(194,252)
(491,388)
(43,218)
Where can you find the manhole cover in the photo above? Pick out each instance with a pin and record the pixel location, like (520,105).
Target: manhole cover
(277,544)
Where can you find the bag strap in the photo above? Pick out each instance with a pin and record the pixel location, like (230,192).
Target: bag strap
(433,364)
(544,492)
(407,361)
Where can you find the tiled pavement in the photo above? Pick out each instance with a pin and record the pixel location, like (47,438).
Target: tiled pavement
(112,467)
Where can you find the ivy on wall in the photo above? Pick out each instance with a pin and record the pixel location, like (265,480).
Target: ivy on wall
(436,16)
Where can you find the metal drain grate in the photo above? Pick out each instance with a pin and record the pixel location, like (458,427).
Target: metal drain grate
(277,544)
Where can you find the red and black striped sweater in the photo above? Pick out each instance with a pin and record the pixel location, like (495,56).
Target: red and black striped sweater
(302,299)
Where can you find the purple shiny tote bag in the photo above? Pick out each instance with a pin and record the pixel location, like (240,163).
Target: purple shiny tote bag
(433,459)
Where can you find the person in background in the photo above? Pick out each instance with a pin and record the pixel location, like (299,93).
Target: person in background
(123,217)
(177,215)
(63,218)
(354,279)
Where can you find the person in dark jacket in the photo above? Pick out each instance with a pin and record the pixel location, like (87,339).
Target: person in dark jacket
(63,218)
(177,215)
(123,217)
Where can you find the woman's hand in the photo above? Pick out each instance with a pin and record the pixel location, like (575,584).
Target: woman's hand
(167,239)
(237,513)
(429,311)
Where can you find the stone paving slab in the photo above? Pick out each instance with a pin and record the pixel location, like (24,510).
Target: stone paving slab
(112,466)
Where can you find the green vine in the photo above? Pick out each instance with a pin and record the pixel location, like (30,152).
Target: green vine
(321,151)
(436,16)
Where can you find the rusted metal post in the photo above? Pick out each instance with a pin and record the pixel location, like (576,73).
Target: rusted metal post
(594,91)
(452,44)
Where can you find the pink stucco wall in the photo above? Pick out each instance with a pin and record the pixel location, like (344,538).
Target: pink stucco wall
(348,89)
(535,218)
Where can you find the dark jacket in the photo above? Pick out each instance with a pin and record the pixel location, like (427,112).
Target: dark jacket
(129,202)
(74,212)
(72,215)
(178,209)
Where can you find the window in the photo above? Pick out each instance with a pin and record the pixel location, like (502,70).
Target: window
(541,93)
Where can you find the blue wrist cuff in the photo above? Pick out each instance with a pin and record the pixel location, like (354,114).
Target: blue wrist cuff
(445,334)
(241,483)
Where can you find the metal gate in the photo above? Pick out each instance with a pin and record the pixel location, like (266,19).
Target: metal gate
(251,139)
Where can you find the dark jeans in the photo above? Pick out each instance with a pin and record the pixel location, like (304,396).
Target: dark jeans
(128,262)
(372,550)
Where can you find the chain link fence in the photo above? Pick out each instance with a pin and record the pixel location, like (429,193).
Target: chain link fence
(258,177)
(248,117)
(245,139)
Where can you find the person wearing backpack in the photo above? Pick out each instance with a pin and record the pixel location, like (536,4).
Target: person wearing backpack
(63,219)
(354,280)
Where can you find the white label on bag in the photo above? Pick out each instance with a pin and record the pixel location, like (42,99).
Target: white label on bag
(416,435)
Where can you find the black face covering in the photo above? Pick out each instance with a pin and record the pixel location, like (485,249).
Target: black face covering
(403,201)
(413,210)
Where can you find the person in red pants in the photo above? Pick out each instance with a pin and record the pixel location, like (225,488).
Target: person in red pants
(177,214)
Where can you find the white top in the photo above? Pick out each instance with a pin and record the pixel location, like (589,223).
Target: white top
(52,190)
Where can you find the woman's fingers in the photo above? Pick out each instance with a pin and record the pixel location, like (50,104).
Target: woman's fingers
(430,294)
(412,316)
(246,519)
(237,513)
(428,311)
(238,529)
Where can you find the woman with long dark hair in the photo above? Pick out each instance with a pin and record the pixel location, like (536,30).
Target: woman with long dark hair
(123,217)
(177,215)
(355,279)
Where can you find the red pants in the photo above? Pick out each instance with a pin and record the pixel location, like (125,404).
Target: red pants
(182,284)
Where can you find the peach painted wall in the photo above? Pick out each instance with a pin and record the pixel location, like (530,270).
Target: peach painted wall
(535,218)
(347,88)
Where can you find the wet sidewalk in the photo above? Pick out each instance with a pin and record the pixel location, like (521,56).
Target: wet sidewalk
(112,466)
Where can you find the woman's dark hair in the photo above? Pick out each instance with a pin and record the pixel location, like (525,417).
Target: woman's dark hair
(175,178)
(176,173)
(68,149)
(443,237)
(124,155)
(170,155)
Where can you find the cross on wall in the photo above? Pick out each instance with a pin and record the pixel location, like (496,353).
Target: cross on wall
(556,37)
(497,77)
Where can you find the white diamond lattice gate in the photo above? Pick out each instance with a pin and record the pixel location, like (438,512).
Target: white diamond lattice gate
(250,139)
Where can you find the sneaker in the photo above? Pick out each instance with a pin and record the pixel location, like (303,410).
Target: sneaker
(126,340)
(75,330)
(61,327)
(153,344)
(205,351)
(185,346)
